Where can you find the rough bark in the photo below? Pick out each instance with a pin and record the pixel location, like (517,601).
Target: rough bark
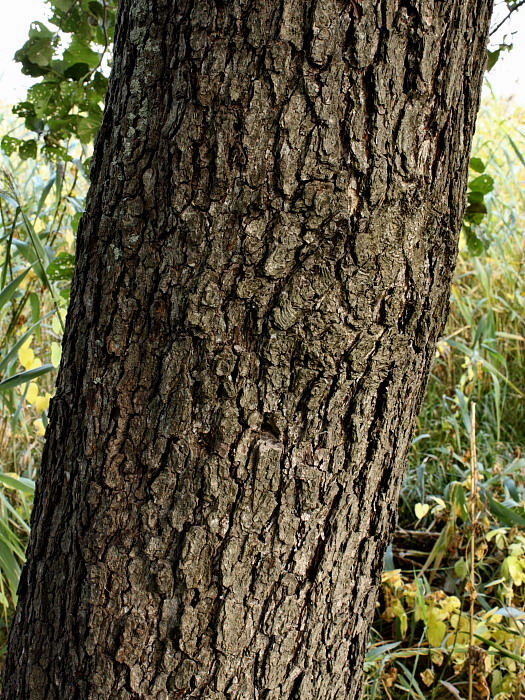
(263,271)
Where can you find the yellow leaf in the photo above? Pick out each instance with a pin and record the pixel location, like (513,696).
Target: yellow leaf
(512,567)
(428,677)
(389,677)
(516,549)
(393,578)
(70,237)
(30,276)
(39,426)
(437,657)
(436,630)
(499,535)
(55,324)
(25,355)
(32,393)
(42,402)
(56,353)
(451,604)
(421,510)
(481,550)
(399,612)
(441,505)
(493,616)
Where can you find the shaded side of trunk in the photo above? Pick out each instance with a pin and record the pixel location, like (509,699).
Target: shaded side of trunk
(263,271)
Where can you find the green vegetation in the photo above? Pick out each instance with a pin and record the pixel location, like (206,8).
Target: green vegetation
(40,205)
(70,56)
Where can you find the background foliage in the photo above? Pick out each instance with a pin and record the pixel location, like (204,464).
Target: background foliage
(71,58)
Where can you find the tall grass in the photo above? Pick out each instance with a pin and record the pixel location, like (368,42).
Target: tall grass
(39,203)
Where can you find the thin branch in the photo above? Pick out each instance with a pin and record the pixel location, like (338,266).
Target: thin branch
(511,11)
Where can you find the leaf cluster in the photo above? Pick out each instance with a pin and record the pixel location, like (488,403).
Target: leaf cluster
(478,188)
(71,56)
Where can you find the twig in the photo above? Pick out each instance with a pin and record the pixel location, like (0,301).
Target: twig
(472,582)
(511,12)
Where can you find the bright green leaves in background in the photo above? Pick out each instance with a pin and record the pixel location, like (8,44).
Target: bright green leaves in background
(478,187)
(37,53)
(72,58)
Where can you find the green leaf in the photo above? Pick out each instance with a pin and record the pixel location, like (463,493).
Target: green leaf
(43,97)
(62,267)
(377,652)
(33,252)
(461,568)
(492,58)
(10,567)
(474,245)
(27,149)
(483,184)
(97,9)
(475,197)
(511,488)
(40,52)
(473,219)
(516,150)
(34,303)
(75,221)
(477,165)
(78,52)
(505,515)
(502,650)
(63,5)
(35,124)
(24,109)
(45,191)
(73,88)
(21,484)
(23,377)
(87,128)
(10,145)
(38,248)
(77,71)
(7,292)
(476,207)
(59,152)
(38,30)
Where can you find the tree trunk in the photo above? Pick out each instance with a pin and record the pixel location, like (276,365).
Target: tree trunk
(263,271)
